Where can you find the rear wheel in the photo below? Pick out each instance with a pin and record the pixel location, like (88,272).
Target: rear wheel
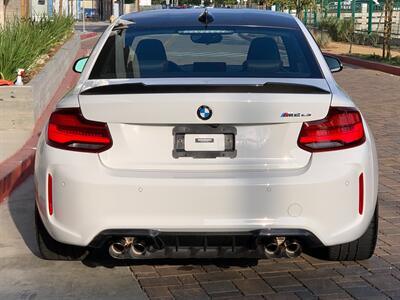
(50,249)
(360,249)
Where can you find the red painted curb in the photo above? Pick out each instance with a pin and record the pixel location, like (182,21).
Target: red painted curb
(19,166)
(367,64)
(88,35)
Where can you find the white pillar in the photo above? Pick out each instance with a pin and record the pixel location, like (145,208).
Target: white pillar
(116,9)
(364,16)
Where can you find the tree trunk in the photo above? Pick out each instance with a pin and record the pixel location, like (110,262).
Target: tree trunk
(22,4)
(387,32)
(299,13)
(60,8)
(5,10)
(389,27)
(299,10)
(351,41)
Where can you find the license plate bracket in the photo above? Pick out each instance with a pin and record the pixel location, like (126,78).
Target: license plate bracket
(229,133)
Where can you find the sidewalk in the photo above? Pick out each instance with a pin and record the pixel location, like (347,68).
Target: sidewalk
(16,114)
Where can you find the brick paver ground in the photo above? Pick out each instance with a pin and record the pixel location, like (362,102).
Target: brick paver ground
(378,96)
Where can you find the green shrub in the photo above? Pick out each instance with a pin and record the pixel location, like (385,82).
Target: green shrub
(363,38)
(22,41)
(328,24)
(322,38)
(360,38)
(373,39)
(340,30)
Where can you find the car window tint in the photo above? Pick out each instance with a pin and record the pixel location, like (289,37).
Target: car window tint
(199,52)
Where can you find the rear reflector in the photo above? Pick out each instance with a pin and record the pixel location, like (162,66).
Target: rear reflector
(361,194)
(50,194)
(69,130)
(341,128)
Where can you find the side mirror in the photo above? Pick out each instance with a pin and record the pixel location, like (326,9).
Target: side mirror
(334,64)
(79,65)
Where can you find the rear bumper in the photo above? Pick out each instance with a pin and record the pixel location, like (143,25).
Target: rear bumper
(178,245)
(321,198)
(305,237)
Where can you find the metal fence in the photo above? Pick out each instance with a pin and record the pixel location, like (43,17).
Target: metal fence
(368,16)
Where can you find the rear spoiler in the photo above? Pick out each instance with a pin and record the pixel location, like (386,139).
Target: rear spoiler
(140,88)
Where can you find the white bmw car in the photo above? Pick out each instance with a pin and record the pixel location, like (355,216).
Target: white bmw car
(206,133)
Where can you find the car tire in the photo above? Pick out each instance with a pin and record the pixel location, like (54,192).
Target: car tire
(360,249)
(50,249)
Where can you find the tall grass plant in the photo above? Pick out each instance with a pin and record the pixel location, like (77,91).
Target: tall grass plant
(23,41)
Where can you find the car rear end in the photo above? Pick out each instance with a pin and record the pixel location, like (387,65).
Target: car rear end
(194,141)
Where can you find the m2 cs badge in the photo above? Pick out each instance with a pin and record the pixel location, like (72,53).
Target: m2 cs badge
(294,115)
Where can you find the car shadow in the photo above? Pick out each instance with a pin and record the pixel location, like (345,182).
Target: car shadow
(21,206)
(100,258)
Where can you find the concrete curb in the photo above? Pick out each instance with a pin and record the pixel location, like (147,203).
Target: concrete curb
(45,84)
(19,166)
(367,64)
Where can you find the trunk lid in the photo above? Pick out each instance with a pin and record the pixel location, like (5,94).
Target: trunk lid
(142,119)
(258,103)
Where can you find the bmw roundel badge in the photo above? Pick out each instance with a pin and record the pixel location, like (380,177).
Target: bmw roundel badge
(204,112)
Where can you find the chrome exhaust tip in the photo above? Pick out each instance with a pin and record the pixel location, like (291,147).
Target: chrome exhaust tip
(273,248)
(292,249)
(118,248)
(138,248)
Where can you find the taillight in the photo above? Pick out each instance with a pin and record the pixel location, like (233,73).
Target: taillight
(341,128)
(69,130)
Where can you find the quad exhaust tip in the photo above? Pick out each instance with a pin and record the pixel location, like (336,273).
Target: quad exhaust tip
(127,247)
(118,248)
(292,249)
(272,250)
(279,246)
(138,248)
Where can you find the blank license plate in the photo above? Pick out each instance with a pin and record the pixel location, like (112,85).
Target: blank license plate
(204,142)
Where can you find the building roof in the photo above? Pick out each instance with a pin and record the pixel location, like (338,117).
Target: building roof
(222,17)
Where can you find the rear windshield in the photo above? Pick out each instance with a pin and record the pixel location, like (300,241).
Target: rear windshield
(200,52)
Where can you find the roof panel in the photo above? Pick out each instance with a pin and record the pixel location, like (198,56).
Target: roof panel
(222,17)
